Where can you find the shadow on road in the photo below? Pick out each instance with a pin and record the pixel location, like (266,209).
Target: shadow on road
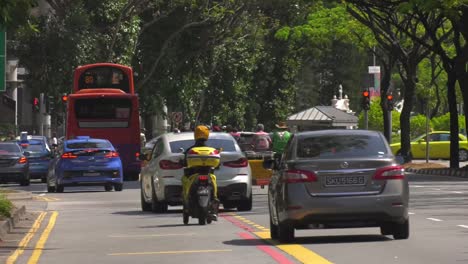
(312,240)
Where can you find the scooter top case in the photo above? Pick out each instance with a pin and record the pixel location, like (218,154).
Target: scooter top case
(203,157)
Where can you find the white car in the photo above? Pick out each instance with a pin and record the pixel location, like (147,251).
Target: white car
(161,177)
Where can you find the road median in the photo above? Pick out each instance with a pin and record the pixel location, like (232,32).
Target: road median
(435,169)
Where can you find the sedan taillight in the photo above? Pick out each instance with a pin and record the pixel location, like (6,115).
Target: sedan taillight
(297,176)
(169,165)
(240,163)
(22,160)
(390,173)
(69,155)
(112,154)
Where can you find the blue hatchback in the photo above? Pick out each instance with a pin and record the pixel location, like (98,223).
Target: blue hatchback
(85,161)
(39,157)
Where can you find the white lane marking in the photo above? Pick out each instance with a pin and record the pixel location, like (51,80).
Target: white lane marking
(410,213)
(457,192)
(42,194)
(417,186)
(434,219)
(464,226)
(437,189)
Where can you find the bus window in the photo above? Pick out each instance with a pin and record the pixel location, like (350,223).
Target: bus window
(103,113)
(104,77)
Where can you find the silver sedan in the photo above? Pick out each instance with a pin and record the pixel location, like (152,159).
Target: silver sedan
(338,179)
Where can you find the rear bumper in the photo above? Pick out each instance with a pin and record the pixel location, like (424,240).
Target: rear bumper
(97,181)
(173,194)
(234,192)
(38,171)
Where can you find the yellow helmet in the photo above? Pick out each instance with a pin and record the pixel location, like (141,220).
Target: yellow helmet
(201,132)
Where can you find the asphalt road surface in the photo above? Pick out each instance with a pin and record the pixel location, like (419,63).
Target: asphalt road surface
(88,225)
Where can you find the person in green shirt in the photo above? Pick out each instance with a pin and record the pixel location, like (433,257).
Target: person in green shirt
(280,138)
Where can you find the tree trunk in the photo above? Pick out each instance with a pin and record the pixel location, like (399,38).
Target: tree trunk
(452,102)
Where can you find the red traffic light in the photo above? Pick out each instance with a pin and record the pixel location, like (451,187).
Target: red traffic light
(365,94)
(64,98)
(36,101)
(390,97)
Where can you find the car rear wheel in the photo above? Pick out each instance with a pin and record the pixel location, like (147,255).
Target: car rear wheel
(146,207)
(156,205)
(51,189)
(245,205)
(386,229)
(273,230)
(285,233)
(401,231)
(186,218)
(118,187)
(59,188)
(463,154)
(108,188)
(228,205)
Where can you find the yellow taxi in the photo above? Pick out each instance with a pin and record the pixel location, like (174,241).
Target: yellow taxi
(260,175)
(439,146)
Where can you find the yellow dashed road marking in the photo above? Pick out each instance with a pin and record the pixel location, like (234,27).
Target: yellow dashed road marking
(25,241)
(154,235)
(171,252)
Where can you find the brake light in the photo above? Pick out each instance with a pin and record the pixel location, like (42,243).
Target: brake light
(24,145)
(390,173)
(169,165)
(298,176)
(240,163)
(112,154)
(69,155)
(137,154)
(203,178)
(22,160)
(215,152)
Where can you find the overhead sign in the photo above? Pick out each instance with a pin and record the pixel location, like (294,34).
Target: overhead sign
(2,60)
(374,69)
(176,117)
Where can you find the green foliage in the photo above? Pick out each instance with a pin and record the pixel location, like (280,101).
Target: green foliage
(5,206)
(442,123)
(375,118)
(418,125)
(15,14)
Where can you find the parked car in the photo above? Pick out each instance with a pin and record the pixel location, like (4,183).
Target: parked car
(14,165)
(439,146)
(161,177)
(85,161)
(39,157)
(256,156)
(337,179)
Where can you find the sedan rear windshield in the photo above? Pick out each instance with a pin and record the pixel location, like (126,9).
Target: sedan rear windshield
(226,145)
(9,148)
(34,146)
(341,146)
(88,145)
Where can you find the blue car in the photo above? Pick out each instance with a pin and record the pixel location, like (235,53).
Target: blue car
(39,157)
(85,161)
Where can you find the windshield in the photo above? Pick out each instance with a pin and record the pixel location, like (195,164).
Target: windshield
(104,77)
(226,145)
(103,113)
(88,145)
(340,146)
(9,148)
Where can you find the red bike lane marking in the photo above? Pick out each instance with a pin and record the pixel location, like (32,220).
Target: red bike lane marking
(265,247)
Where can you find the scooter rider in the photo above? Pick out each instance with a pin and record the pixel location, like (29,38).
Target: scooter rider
(201,136)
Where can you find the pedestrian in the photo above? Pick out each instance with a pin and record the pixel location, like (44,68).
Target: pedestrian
(261,140)
(280,138)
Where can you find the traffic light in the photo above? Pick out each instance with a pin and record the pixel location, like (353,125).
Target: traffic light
(35,104)
(64,98)
(366,100)
(50,104)
(390,103)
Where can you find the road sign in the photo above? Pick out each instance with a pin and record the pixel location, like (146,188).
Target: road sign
(2,60)
(374,69)
(176,117)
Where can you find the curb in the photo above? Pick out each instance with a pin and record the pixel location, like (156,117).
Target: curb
(462,173)
(18,195)
(7,225)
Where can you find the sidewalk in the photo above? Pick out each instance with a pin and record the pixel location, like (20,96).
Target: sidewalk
(435,169)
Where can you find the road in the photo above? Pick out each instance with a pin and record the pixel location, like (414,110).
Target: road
(88,225)
(443,162)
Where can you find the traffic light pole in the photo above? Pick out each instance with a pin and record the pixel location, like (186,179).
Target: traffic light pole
(366,120)
(389,132)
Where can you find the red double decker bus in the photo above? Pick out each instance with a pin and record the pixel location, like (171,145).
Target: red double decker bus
(104,105)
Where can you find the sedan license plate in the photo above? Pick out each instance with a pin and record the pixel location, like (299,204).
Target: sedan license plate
(344,180)
(91,173)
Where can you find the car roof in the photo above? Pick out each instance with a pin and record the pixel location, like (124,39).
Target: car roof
(189,136)
(337,132)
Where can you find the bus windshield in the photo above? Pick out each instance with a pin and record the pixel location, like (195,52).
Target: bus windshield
(104,77)
(103,113)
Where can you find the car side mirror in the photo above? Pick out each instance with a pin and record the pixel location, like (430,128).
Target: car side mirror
(27,153)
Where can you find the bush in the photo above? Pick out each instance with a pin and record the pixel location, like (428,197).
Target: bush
(442,123)
(5,206)
(418,125)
